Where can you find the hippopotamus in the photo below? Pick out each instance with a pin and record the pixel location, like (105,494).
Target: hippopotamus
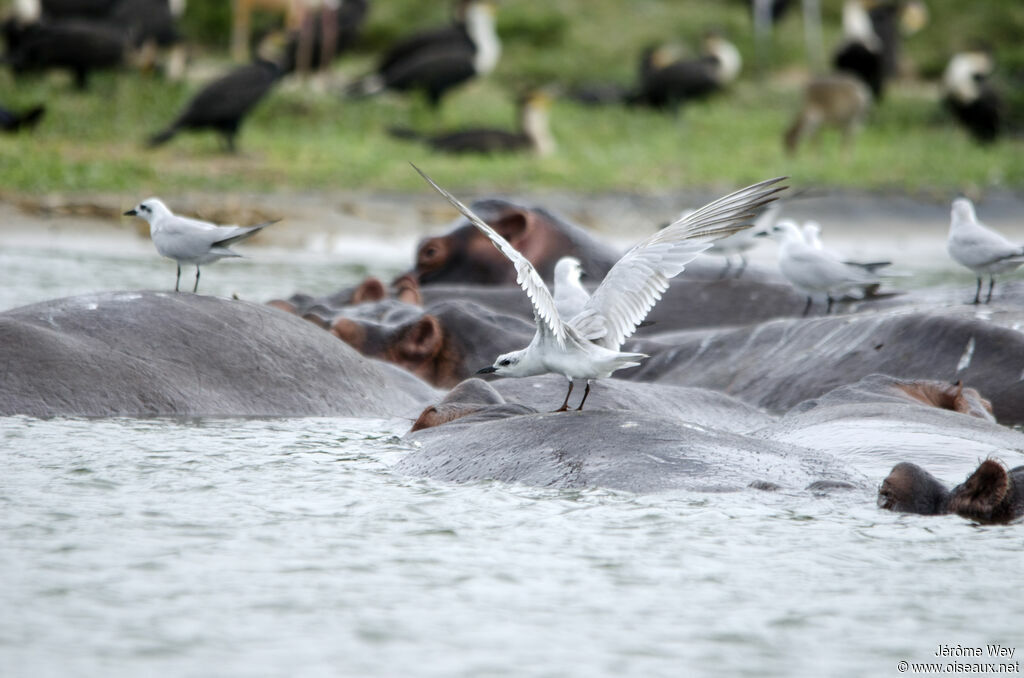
(624,450)
(779,363)
(638,438)
(156,353)
(465,255)
(702,440)
(423,341)
(991,494)
(881,420)
(493,399)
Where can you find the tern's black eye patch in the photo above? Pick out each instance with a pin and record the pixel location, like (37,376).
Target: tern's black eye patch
(505,363)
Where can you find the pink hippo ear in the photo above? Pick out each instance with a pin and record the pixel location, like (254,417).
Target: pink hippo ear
(420,342)
(514,225)
(371,289)
(980,495)
(351,332)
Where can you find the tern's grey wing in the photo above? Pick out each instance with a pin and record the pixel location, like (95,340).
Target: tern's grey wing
(979,245)
(228,235)
(544,310)
(641,276)
(812,269)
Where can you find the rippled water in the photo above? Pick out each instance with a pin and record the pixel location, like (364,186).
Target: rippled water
(287,547)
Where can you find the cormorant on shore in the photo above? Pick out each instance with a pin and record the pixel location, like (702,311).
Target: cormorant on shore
(76,46)
(435,61)
(11,121)
(667,82)
(534,133)
(970,96)
(223,104)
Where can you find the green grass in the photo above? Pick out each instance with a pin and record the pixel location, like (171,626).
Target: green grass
(301,140)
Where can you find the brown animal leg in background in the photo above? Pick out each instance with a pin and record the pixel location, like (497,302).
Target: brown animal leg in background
(585,394)
(565,405)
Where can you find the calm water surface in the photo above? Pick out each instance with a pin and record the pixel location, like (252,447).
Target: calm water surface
(287,547)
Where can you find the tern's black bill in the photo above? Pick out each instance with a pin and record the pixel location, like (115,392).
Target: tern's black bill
(130,213)
(487,370)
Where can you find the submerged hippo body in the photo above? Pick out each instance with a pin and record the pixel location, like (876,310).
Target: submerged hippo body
(156,353)
(544,393)
(616,449)
(882,420)
(780,363)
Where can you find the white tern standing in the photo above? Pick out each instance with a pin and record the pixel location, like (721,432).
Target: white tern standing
(190,241)
(586,346)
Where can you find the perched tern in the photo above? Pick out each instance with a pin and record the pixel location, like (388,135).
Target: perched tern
(190,241)
(816,271)
(979,248)
(739,242)
(569,293)
(586,345)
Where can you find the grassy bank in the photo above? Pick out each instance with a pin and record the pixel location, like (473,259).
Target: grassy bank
(302,140)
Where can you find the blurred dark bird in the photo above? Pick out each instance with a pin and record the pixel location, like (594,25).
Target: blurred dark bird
(62,10)
(969,94)
(838,100)
(11,121)
(76,46)
(861,51)
(872,37)
(435,61)
(223,104)
(667,81)
(324,35)
(534,133)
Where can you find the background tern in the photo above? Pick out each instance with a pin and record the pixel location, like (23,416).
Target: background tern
(586,346)
(979,248)
(816,271)
(190,241)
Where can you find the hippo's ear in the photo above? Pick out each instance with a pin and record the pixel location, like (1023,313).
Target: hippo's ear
(351,332)
(982,492)
(421,341)
(513,225)
(371,289)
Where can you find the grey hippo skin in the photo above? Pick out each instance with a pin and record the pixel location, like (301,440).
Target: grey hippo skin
(655,437)
(156,353)
(780,363)
(881,420)
(616,449)
(991,494)
(478,433)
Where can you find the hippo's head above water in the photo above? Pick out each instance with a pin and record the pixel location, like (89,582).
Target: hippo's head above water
(465,255)
(991,494)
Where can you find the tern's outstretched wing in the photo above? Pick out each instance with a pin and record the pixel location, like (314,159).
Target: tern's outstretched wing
(641,276)
(544,310)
